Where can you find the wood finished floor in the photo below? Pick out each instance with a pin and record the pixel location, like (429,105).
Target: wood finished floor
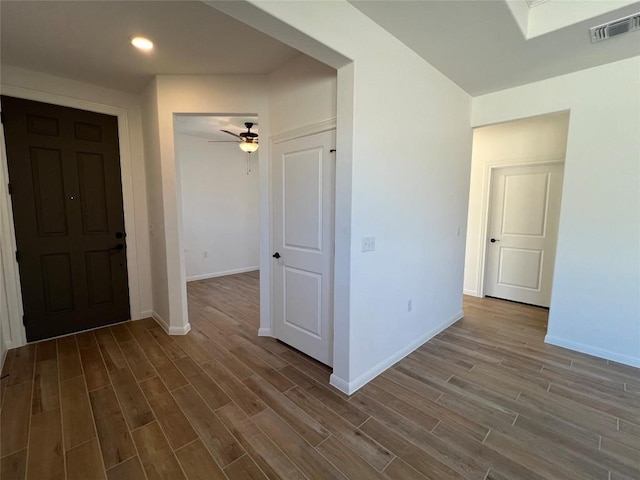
(486,399)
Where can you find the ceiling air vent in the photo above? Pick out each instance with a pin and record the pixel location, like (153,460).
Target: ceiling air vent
(617,27)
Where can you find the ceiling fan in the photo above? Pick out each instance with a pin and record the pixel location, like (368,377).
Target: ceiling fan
(248,141)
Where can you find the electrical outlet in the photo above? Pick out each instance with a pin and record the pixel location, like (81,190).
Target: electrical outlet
(368,244)
(409,305)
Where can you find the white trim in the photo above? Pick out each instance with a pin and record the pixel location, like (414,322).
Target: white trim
(14,334)
(127,198)
(145,314)
(168,329)
(305,131)
(472,293)
(486,207)
(183,330)
(264,332)
(222,274)
(596,352)
(160,321)
(4,357)
(351,387)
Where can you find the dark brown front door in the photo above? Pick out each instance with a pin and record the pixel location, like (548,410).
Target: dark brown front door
(64,172)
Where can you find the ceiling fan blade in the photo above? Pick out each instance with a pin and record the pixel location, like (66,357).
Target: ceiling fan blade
(222,141)
(231,133)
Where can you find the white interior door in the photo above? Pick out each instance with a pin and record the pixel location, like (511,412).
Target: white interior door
(303,211)
(522,232)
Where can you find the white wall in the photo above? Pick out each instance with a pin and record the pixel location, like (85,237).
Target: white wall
(202,94)
(595,305)
(410,195)
(155,201)
(220,207)
(47,88)
(519,142)
(302,92)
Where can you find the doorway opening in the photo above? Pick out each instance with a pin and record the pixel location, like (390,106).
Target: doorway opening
(514,207)
(219,202)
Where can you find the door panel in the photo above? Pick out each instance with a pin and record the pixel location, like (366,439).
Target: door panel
(93,193)
(302,196)
(48,187)
(58,286)
(303,310)
(523,222)
(303,183)
(526,198)
(64,170)
(99,277)
(42,125)
(520,268)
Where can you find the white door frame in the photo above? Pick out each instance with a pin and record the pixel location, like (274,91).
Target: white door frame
(17,335)
(486,207)
(304,131)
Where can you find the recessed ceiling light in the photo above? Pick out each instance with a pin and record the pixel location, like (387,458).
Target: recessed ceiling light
(142,43)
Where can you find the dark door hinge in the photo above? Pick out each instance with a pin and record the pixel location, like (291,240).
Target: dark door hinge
(10,189)
(2,117)
(17,256)
(24,321)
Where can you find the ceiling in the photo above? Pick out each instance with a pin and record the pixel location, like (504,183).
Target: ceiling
(208,127)
(89,41)
(479,45)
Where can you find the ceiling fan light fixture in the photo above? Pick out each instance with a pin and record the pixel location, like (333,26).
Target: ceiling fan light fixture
(248,146)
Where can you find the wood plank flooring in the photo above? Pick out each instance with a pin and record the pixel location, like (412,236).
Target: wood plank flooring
(485,399)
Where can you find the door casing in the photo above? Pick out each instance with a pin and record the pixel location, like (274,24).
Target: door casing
(16,335)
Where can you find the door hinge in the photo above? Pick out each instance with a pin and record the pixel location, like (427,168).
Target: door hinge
(17,256)
(24,321)
(2,117)
(10,189)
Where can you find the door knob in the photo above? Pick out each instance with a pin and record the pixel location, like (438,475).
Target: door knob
(493,240)
(276,255)
(120,235)
(118,247)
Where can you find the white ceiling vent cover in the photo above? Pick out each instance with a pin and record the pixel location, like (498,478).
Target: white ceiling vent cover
(617,27)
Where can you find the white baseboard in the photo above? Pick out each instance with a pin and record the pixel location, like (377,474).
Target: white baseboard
(596,352)
(169,329)
(144,314)
(473,293)
(221,274)
(264,332)
(180,330)
(351,387)
(341,384)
